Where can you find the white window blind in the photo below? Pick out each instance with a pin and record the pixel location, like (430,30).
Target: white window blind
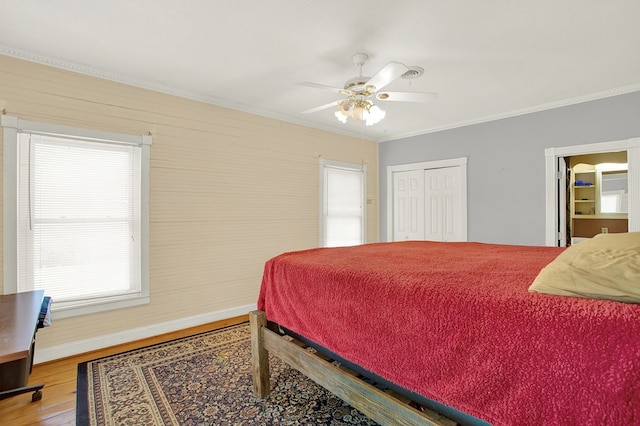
(78,218)
(343,204)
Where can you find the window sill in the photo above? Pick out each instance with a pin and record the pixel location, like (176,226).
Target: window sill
(97,306)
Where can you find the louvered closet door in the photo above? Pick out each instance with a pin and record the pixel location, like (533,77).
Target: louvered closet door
(408,205)
(443,204)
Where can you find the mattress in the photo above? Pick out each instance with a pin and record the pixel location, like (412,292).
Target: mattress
(455,323)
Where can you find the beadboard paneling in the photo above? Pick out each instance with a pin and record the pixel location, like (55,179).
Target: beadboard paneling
(228,190)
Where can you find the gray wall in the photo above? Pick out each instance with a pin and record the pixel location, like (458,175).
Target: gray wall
(506,162)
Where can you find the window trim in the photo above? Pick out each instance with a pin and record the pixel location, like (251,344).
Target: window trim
(11,126)
(355,167)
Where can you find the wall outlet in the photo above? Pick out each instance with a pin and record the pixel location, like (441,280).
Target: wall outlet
(604,230)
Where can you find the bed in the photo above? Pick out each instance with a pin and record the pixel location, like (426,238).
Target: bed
(458,329)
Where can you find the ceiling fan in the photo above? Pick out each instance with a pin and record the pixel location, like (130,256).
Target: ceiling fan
(360,90)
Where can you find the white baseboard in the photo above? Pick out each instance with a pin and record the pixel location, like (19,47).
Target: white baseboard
(80,346)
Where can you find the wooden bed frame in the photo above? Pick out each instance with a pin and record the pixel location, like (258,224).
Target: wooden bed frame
(382,407)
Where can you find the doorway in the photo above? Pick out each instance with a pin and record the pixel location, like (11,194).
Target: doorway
(556,233)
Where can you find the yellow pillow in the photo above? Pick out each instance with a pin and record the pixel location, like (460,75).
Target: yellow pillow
(604,267)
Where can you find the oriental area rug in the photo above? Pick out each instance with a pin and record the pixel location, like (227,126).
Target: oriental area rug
(201,380)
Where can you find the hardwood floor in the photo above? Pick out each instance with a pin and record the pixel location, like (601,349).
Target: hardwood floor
(58,404)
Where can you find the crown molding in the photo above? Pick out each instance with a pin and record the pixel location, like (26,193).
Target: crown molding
(169,90)
(119,78)
(529,110)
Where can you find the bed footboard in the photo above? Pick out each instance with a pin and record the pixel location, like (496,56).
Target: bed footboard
(375,404)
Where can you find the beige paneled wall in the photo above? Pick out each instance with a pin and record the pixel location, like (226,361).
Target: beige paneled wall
(228,189)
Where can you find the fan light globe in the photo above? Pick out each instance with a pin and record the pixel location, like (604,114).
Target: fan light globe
(375,115)
(359,110)
(341,117)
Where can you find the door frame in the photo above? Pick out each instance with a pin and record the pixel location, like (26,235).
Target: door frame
(428,165)
(561,163)
(632,146)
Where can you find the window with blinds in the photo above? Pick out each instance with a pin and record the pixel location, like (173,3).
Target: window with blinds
(79,221)
(342,203)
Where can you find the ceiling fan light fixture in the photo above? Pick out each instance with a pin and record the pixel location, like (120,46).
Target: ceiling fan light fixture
(359,89)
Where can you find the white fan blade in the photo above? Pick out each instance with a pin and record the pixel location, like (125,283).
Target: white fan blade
(387,74)
(329,88)
(321,107)
(407,96)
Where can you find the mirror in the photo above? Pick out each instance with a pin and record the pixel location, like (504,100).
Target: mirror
(614,191)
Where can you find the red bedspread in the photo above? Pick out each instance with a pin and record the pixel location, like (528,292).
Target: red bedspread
(454,322)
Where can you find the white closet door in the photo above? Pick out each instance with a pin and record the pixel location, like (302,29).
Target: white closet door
(443,204)
(408,205)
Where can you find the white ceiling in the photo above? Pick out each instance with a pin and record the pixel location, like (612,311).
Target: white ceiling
(486,59)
